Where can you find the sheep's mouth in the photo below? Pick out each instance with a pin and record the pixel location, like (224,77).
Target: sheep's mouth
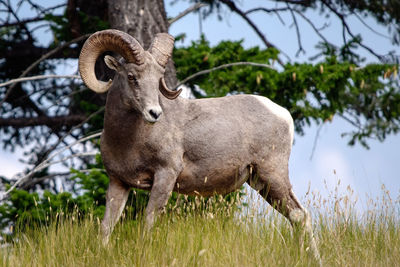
(151,118)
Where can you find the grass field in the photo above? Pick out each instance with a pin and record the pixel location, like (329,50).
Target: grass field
(219,237)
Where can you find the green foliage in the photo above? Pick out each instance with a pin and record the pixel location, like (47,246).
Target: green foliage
(25,209)
(200,56)
(367,97)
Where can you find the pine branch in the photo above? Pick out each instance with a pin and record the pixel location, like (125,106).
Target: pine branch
(38,77)
(185,12)
(191,77)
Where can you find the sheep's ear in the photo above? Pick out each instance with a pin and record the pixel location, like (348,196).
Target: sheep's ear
(112,63)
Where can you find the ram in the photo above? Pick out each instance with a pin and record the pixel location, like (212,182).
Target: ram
(157,141)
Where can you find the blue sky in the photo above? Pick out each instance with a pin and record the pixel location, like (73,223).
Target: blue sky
(364,170)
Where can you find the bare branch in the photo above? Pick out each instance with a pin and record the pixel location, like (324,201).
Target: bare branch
(22,22)
(39,26)
(232,7)
(280,18)
(68,120)
(43,90)
(35,19)
(185,12)
(14,13)
(315,141)
(305,3)
(222,67)
(62,138)
(369,27)
(33,5)
(34,64)
(34,181)
(344,33)
(76,127)
(47,55)
(347,28)
(52,8)
(59,101)
(41,167)
(46,163)
(317,31)
(84,154)
(30,50)
(297,31)
(71,145)
(39,77)
(269,10)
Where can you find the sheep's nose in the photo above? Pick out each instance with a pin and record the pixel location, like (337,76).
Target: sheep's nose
(155,113)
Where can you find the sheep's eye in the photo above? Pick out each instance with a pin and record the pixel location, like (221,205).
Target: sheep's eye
(131,77)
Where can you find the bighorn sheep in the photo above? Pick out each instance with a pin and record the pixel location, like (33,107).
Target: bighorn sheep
(153,140)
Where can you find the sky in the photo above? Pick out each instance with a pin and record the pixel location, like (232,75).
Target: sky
(332,160)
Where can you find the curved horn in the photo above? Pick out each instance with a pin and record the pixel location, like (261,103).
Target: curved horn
(161,48)
(100,42)
(167,92)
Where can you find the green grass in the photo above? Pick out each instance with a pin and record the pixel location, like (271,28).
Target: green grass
(217,238)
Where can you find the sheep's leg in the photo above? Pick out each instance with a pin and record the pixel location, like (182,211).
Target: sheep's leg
(277,190)
(163,184)
(300,219)
(116,197)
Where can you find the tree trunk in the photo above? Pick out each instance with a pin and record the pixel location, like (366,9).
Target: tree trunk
(142,19)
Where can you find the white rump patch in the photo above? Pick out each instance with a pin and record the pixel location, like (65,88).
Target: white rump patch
(278,111)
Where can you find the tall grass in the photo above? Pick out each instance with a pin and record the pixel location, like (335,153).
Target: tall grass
(219,235)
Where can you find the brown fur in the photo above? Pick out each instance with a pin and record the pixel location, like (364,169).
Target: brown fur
(204,146)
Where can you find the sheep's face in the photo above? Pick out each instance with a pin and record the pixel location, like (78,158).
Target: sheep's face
(139,85)
(139,74)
